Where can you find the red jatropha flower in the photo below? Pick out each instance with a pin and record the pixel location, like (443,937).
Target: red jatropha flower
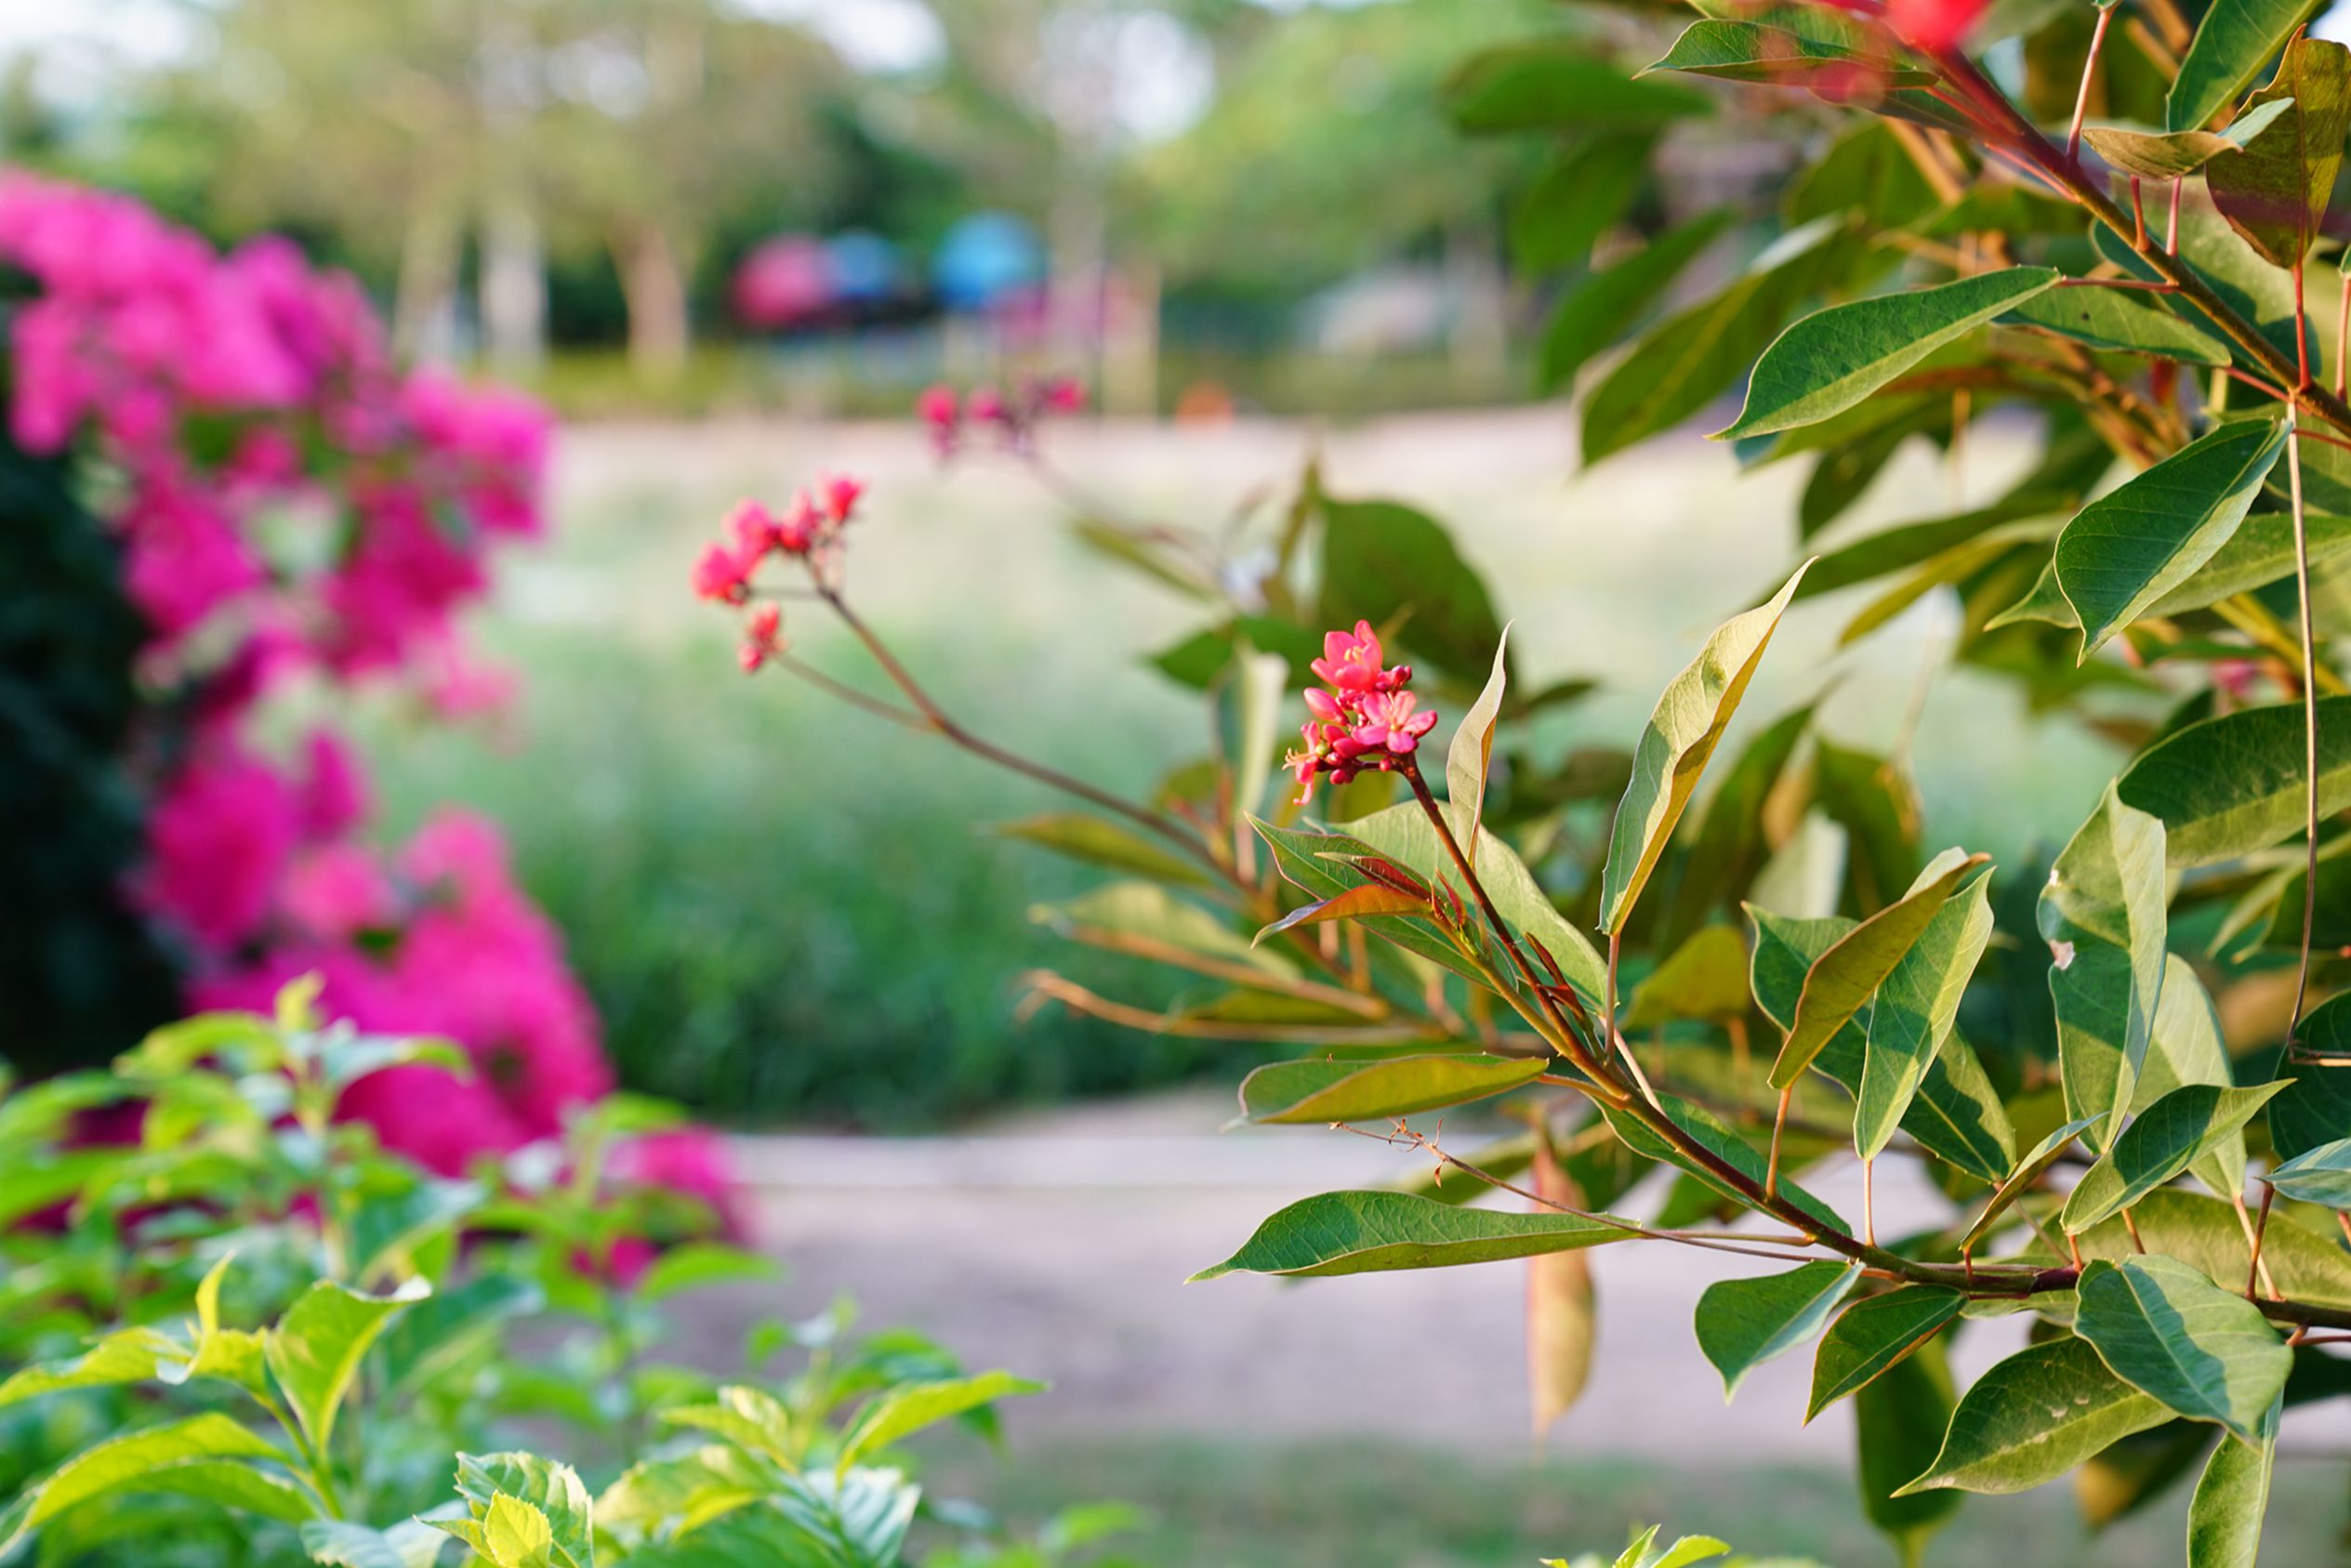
(724,574)
(1364,721)
(840,493)
(801,526)
(763,637)
(938,408)
(1352,663)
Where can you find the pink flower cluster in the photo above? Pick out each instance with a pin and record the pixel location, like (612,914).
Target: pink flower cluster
(809,531)
(287,492)
(1013,415)
(1364,720)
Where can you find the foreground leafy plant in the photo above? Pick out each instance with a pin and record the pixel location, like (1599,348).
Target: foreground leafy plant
(1407,941)
(402,1324)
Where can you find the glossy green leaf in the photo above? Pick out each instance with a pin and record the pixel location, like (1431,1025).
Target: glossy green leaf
(2205,1352)
(315,1348)
(1099,841)
(1742,1323)
(1471,752)
(1311,1093)
(2233,42)
(131,1356)
(2314,1108)
(1872,1335)
(2259,552)
(1594,312)
(1682,731)
(1833,359)
(1844,978)
(2103,914)
(1730,844)
(2275,192)
(1577,198)
(1899,1419)
(697,1266)
(553,1491)
(1368,1231)
(2160,1143)
(897,1415)
(1390,564)
(2128,548)
(1120,913)
(2224,1517)
(1747,51)
(2234,784)
(1915,1010)
(2034,1417)
(2206,1233)
(2113,319)
(1684,363)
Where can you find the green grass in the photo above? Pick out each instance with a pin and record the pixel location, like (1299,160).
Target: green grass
(1383,1504)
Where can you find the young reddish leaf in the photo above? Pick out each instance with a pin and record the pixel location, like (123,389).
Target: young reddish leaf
(1370,898)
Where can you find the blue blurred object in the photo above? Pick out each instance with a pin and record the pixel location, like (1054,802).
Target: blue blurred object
(864,266)
(985,256)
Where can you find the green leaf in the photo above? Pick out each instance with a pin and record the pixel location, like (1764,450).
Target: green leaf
(2224,1517)
(552,1490)
(2314,1106)
(2160,1143)
(1916,1009)
(2234,784)
(1471,752)
(1704,978)
(2206,1233)
(1747,51)
(2034,1417)
(2187,1048)
(1591,313)
(2233,42)
(893,1417)
(2111,319)
(2103,916)
(1833,359)
(2128,548)
(175,1456)
(422,1340)
(2165,1329)
(697,1265)
(1368,1231)
(1742,1323)
(1844,978)
(1321,864)
(410,1544)
(2275,193)
(1875,1333)
(1099,841)
(1388,564)
(510,1532)
(2259,553)
(1682,731)
(1684,363)
(315,1348)
(2320,1176)
(2018,1182)
(1730,844)
(1899,1419)
(131,1356)
(1312,1093)
(2174,156)
(1958,1115)
(1559,85)
(1121,912)
(1583,192)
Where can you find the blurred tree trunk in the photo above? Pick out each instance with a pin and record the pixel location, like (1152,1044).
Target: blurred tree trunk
(655,287)
(514,287)
(425,303)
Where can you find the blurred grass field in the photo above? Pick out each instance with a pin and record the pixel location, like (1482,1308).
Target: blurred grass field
(1393,1504)
(788,911)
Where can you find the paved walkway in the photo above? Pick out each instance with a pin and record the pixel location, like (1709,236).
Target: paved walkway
(1059,1248)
